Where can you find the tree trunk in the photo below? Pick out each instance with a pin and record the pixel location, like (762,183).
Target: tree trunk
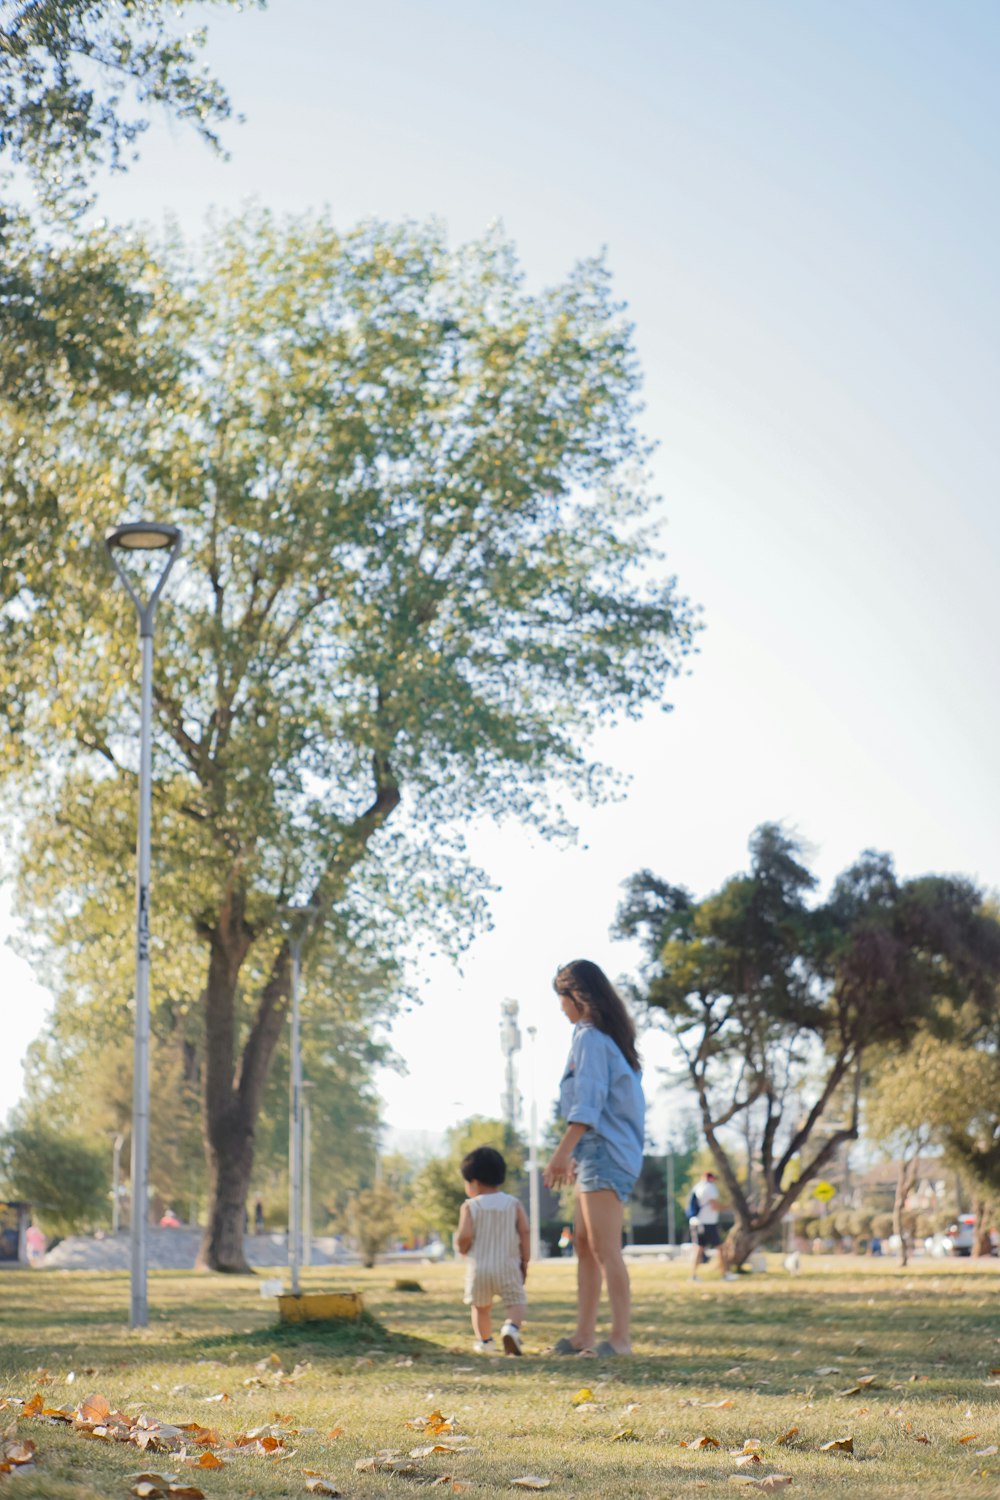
(897,1215)
(982,1244)
(740,1243)
(230,1161)
(230,1107)
(905,1178)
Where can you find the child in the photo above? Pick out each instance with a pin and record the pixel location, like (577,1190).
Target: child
(493,1232)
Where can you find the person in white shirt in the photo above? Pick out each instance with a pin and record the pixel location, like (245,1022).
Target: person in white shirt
(703,1219)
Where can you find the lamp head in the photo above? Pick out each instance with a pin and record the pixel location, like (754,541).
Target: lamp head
(131,548)
(142,536)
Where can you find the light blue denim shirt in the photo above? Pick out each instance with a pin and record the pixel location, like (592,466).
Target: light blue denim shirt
(599,1089)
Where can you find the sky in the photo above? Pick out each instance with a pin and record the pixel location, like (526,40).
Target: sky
(799,204)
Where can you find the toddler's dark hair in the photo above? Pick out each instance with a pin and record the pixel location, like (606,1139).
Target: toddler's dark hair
(484,1165)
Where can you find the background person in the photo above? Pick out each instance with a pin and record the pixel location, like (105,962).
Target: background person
(493,1233)
(35,1243)
(601,1151)
(703,1220)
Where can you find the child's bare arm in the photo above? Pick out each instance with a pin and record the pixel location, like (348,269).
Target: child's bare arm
(466,1234)
(524,1238)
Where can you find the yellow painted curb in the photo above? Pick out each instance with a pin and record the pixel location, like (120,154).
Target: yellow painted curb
(319,1307)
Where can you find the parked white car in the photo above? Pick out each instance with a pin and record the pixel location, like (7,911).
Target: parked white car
(962,1235)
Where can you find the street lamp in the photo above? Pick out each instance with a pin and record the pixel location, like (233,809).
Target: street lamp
(307,1213)
(296,938)
(147,537)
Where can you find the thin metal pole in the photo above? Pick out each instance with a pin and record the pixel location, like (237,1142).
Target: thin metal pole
(534,1208)
(295,1127)
(139,1309)
(145,536)
(671,1230)
(306,1183)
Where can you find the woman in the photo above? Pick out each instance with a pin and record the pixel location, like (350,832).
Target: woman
(601,1151)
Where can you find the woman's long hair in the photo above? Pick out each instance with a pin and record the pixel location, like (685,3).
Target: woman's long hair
(589,985)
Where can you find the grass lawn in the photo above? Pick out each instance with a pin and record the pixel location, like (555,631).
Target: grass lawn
(737,1362)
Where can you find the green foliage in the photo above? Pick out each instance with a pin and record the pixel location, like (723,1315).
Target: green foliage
(439,1190)
(63,1176)
(374,1220)
(776,1003)
(944,1092)
(413,582)
(65,67)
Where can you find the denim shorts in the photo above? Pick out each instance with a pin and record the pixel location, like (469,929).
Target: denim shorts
(597,1169)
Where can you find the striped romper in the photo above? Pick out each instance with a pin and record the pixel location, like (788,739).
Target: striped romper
(493,1267)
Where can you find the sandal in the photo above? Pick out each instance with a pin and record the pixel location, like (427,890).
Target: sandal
(607,1350)
(565,1346)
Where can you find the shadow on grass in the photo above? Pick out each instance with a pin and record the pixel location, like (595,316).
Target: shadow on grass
(352,1338)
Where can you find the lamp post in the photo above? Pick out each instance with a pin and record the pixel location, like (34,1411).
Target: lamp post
(142,536)
(534,1211)
(295,1123)
(307,1212)
(305,916)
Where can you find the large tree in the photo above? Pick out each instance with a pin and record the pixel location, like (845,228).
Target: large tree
(944,1094)
(414,578)
(78,79)
(776,1004)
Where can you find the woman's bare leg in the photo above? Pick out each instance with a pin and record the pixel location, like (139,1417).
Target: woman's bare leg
(588,1281)
(603,1214)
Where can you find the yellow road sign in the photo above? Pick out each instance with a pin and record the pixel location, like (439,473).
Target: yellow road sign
(824,1191)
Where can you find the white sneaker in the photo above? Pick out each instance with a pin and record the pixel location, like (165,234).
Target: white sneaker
(484,1346)
(510,1334)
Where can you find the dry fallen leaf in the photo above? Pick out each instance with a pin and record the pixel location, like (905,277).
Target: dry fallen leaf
(970,1437)
(582,1397)
(456,1445)
(625,1435)
(786,1437)
(185,1492)
(531,1482)
(94,1409)
(747,1458)
(336,1432)
(987,1452)
(716,1405)
(207,1461)
(19,1451)
(321,1487)
(201,1437)
(768,1484)
(921,1437)
(838,1445)
(384,1463)
(146,1490)
(33,1407)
